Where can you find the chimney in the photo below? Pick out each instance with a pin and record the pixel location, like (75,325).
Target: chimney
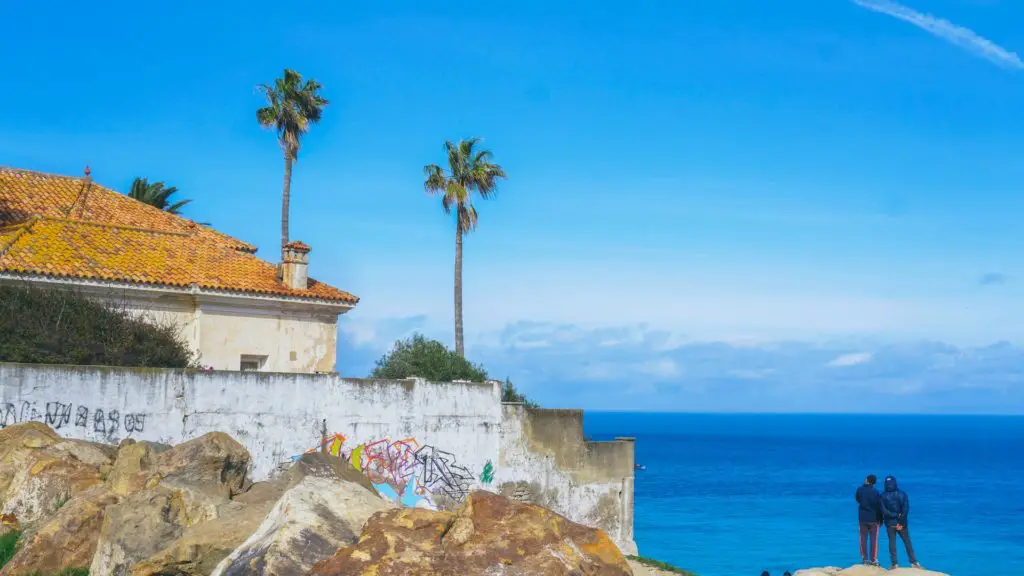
(295,265)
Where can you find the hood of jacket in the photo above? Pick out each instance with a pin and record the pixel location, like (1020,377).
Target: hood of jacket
(890,484)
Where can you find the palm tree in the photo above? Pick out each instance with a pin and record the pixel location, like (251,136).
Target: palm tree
(469,170)
(156,194)
(292,105)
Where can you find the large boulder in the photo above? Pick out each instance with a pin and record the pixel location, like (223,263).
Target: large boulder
(203,546)
(865,570)
(39,472)
(321,512)
(66,540)
(182,487)
(489,534)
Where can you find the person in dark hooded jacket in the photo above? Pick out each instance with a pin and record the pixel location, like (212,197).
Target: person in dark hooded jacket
(895,512)
(869,516)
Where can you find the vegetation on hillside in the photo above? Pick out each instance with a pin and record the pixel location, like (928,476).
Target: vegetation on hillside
(664,566)
(292,105)
(432,360)
(470,170)
(9,544)
(61,327)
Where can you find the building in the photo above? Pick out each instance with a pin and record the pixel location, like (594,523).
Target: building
(236,311)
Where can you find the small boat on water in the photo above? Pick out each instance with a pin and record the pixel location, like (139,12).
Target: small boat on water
(639,467)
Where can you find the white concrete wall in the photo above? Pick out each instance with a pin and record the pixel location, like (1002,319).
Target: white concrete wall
(588,482)
(423,443)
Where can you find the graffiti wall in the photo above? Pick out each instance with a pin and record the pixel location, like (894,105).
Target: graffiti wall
(420,443)
(408,472)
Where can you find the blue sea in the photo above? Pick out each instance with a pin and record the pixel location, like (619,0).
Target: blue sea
(731,495)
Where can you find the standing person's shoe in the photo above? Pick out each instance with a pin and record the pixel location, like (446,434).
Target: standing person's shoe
(894,566)
(916,565)
(874,563)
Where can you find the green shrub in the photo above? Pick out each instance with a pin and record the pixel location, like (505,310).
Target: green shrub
(8,542)
(60,327)
(660,565)
(425,358)
(510,394)
(432,360)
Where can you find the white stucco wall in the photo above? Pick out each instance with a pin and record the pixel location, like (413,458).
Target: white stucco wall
(420,442)
(290,340)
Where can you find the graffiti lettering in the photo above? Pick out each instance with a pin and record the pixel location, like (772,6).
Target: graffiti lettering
(8,415)
(82,417)
(58,414)
(441,473)
(134,423)
(405,471)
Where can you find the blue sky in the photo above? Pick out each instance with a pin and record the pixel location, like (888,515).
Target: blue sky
(712,205)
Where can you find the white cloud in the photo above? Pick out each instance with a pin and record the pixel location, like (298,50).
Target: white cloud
(628,367)
(850,359)
(958,35)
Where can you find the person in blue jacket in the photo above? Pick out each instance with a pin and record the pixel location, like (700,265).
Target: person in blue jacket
(869,516)
(895,512)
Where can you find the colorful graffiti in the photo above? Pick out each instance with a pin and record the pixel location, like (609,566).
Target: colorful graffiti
(404,471)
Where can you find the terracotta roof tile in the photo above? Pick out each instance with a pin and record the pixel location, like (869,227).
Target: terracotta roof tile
(24,193)
(71,228)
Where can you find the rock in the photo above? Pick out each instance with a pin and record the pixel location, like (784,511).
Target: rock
(863,570)
(212,460)
(489,534)
(203,546)
(67,540)
(308,524)
(177,489)
(131,468)
(9,523)
(39,472)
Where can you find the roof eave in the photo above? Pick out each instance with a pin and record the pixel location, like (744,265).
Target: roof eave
(341,305)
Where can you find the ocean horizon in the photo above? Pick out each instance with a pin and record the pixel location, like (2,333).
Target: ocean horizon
(731,494)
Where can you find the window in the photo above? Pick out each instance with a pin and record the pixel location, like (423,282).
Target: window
(251,363)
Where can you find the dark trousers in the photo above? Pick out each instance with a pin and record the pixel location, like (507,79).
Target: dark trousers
(869,541)
(891,532)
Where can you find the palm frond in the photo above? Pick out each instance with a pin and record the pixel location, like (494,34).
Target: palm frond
(177,206)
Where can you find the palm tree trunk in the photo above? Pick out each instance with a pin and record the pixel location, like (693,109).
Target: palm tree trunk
(459,348)
(286,197)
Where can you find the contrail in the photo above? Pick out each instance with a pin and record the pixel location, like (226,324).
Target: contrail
(958,35)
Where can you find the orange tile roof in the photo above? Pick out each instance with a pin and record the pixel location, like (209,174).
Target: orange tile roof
(24,193)
(70,228)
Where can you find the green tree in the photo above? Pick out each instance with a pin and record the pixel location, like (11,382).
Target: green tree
(156,194)
(292,105)
(426,358)
(470,170)
(429,359)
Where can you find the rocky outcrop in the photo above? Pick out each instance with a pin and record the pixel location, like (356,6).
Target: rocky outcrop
(308,524)
(489,534)
(182,487)
(67,540)
(147,509)
(39,472)
(864,570)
